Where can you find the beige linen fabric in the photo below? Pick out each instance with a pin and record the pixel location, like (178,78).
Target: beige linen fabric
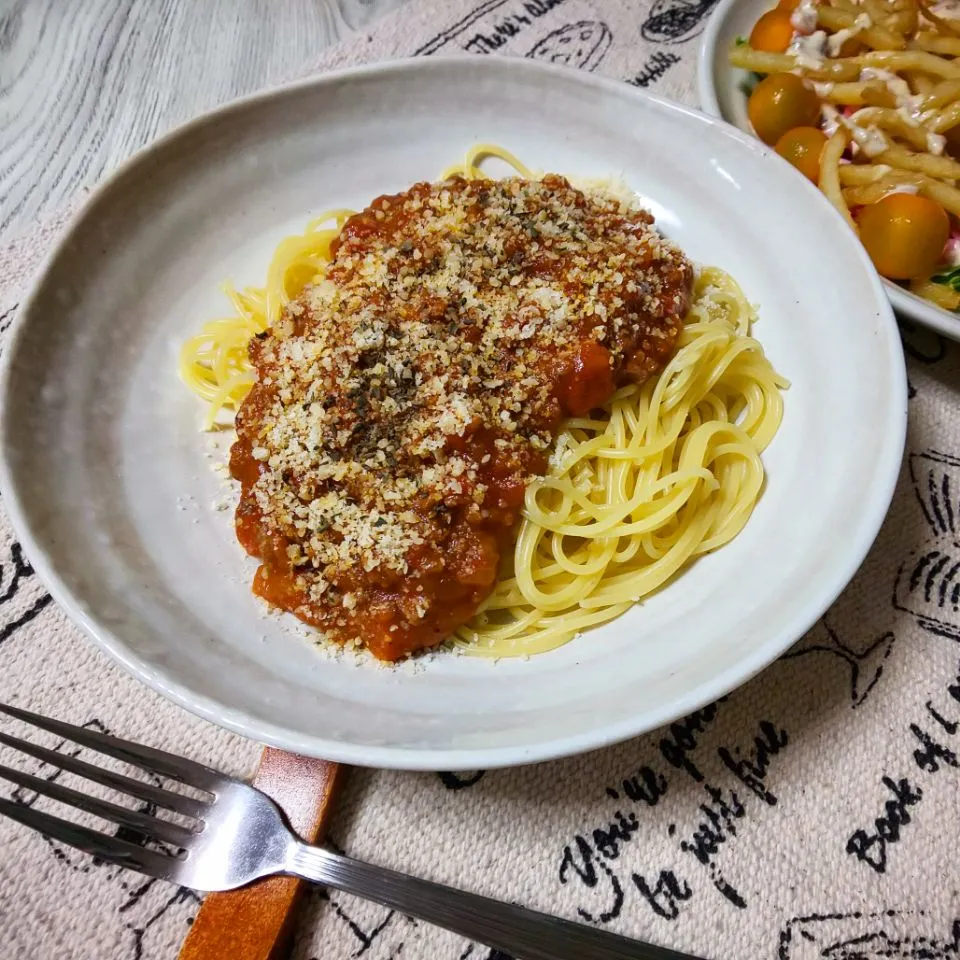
(813,813)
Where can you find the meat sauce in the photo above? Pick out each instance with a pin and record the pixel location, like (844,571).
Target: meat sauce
(404,403)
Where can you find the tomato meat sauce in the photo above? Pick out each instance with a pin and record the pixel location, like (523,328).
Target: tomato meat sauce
(405,401)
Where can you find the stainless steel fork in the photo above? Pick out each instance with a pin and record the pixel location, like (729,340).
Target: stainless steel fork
(237,835)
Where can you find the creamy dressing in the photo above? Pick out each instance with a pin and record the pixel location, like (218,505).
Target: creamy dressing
(809,50)
(838,39)
(896,85)
(804,18)
(829,119)
(912,113)
(870,140)
(908,105)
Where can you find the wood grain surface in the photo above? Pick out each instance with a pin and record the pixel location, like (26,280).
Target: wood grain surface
(85,83)
(257,922)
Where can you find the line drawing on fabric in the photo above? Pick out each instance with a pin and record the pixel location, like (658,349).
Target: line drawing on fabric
(454,31)
(6,318)
(140,904)
(583,44)
(862,936)
(655,67)
(20,568)
(471,954)
(6,321)
(13,574)
(460,781)
(929,741)
(866,667)
(922,344)
(496,32)
(387,921)
(871,844)
(180,896)
(365,938)
(927,584)
(675,21)
(712,814)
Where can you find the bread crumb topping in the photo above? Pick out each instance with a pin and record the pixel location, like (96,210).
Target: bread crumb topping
(428,370)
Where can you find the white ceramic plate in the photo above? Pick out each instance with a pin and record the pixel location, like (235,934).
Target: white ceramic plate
(719,88)
(107,482)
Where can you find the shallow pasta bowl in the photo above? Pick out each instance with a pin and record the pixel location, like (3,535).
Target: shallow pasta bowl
(721,92)
(109,481)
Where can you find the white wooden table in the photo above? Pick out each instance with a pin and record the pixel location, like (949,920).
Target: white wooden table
(85,83)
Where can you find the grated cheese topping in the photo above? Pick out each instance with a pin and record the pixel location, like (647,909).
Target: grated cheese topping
(451,314)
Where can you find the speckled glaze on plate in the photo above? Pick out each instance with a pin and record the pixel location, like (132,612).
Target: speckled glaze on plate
(721,95)
(107,478)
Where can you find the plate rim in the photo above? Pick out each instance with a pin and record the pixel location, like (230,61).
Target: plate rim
(410,758)
(708,55)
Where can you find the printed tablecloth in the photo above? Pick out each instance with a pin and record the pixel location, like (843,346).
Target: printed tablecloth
(813,813)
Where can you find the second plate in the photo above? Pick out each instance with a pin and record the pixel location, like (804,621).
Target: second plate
(719,86)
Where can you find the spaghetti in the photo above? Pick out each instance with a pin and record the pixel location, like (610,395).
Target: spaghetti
(669,471)
(215,364)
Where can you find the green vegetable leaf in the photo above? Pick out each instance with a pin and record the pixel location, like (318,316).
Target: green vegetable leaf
(741,41)
(749,82)
(949,279)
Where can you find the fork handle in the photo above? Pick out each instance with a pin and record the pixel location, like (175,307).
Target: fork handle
(515,930)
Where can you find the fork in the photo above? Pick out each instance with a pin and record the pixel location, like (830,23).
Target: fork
(238,835)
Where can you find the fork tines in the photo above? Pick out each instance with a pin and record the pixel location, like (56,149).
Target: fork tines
(148,759)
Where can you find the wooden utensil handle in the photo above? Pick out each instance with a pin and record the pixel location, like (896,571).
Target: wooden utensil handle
(257,922)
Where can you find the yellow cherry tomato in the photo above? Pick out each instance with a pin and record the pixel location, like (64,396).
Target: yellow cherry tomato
(772,32)
(779,103)
(802,147)
(788,5)
(904,235)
